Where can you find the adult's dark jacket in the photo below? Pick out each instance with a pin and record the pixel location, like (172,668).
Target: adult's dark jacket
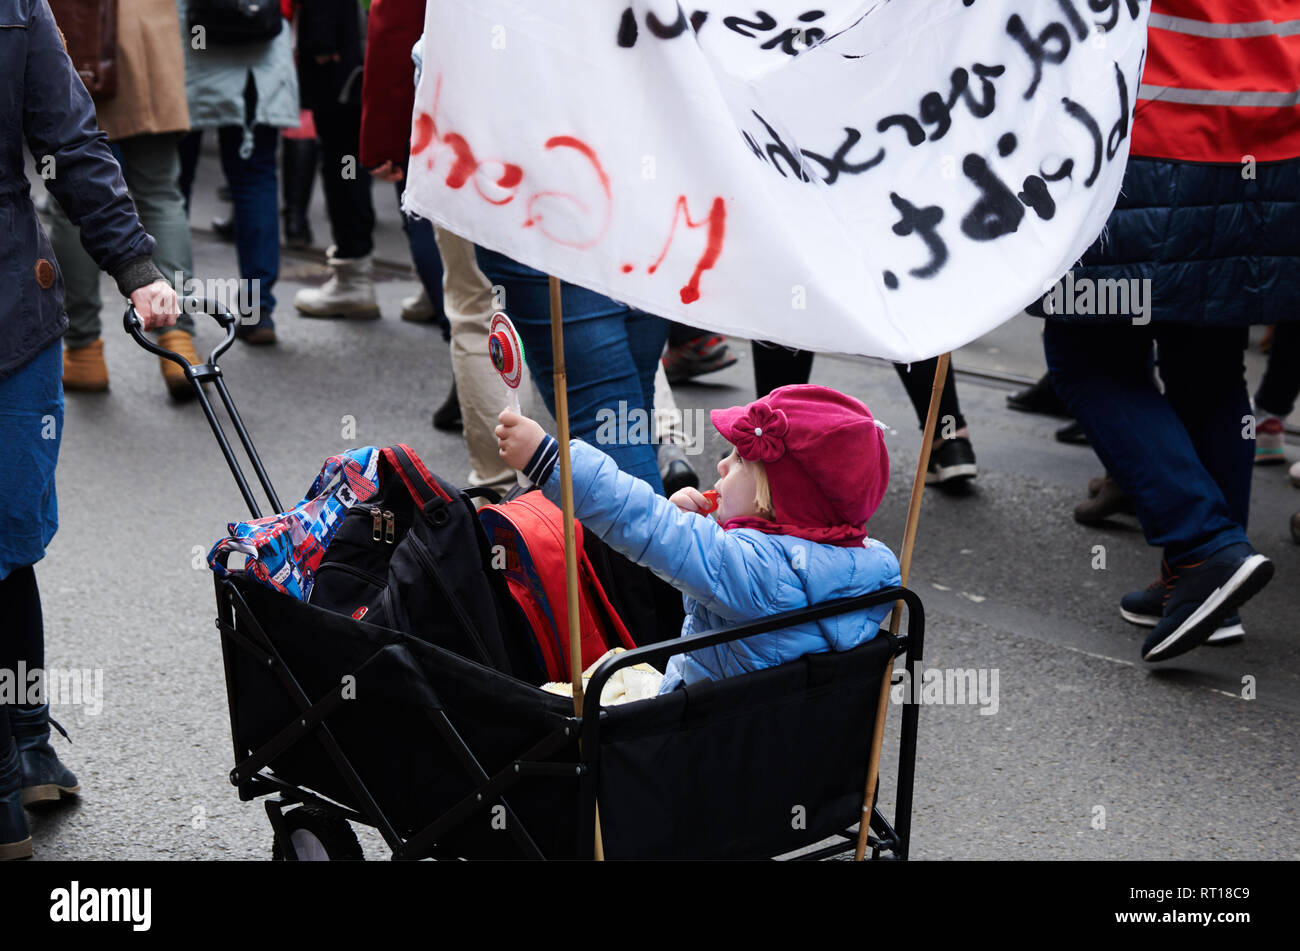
(1209,210)
(329,28)
(43,101)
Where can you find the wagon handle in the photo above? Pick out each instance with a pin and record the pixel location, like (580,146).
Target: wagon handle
(209,372)
(189,305)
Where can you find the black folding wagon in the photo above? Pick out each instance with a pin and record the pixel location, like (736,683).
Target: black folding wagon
(337,721)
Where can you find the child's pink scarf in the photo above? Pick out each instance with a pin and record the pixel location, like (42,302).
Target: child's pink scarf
(845,536)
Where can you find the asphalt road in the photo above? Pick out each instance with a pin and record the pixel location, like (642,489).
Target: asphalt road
(1091,752)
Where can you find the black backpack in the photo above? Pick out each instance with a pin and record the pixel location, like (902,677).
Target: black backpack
(414,558)
(236,22)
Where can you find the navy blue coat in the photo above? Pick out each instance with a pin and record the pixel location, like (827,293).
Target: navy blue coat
(43,101)
(1219,247)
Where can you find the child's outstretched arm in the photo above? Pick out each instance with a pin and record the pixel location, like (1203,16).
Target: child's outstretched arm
(722,570)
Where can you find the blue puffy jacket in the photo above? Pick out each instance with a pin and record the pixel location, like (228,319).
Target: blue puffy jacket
(727,576)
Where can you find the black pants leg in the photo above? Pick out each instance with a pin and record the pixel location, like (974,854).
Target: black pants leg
(23,639)
(188,147)
(918,380)
(1281,384)
(1203,369)
(346,184)
(775,366)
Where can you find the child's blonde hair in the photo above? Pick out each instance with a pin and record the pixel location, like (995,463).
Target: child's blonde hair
(763,489)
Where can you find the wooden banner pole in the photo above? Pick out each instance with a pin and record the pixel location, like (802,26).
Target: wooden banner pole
(904,568)
(566,509)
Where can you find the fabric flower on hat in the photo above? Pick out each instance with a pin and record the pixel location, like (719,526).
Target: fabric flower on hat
(760,433)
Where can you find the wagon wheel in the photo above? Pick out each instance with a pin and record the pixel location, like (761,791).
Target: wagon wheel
(316,836)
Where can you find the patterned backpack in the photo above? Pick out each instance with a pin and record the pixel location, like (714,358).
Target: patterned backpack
(380,538)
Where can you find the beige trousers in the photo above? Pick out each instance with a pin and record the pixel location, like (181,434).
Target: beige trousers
(468,300)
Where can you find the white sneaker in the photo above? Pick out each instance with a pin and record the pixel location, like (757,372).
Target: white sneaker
(1295,473)
(349,291)
(418,309)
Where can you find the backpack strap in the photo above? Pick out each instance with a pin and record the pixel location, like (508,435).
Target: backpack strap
(419,481)
(613,623)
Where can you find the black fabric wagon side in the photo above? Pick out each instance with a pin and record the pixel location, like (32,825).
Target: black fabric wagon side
(448,758)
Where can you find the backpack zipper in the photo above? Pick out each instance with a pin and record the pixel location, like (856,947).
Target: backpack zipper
(376,526)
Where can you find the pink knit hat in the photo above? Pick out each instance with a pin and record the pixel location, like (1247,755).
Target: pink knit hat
(825,459)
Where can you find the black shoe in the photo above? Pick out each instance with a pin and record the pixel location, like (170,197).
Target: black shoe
(15,837)
(297,230)
(1073,434)
(1145,608)
(1039,398)
(259,334)
(1109,500)
(952,462)
(1205,595)
(447,416)
(45,779)
(224,228)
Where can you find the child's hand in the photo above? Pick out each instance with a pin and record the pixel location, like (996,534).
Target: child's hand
(517,438)
(691,500)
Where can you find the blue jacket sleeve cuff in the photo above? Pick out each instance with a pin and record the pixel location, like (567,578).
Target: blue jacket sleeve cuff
(544,461)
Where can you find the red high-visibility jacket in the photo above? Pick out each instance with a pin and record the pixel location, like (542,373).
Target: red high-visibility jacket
(1221,81)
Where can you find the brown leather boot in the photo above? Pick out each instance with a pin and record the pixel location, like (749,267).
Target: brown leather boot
(1109,500)
(180,342)
(84,369)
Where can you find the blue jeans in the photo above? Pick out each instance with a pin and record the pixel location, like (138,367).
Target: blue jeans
(1181,456)
(428,261)
(610,350)
(255,197)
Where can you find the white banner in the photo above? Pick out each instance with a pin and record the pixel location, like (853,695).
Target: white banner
(862,176)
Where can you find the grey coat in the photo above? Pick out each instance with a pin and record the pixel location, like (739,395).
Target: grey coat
(215,77)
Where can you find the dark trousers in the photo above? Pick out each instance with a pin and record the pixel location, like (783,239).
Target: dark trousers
(346,184)
(23,637)
(777,366)
(1182,455)
(425,254)
(254,198)
(1277,391)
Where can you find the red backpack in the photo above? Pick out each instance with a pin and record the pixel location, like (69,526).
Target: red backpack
(526,536)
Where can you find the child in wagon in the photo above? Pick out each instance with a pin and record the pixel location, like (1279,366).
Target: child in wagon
(808,469)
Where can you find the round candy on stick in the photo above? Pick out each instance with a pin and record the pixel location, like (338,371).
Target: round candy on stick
(507,354)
